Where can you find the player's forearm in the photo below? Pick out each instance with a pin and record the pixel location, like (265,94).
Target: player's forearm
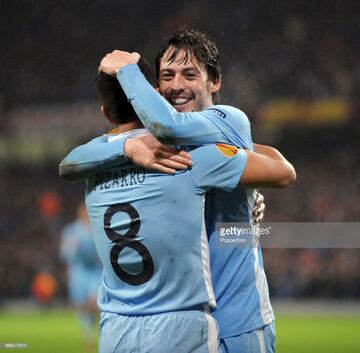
(160,118)
(285,171)
(264,170)
(278,180)
(90,158)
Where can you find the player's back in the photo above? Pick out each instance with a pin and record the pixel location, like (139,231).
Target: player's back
(150,234)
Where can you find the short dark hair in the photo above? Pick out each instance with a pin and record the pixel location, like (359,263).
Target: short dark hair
(113,97)
(195,43)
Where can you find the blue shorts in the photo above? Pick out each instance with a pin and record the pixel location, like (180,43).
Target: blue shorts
(183,331)
(257,341)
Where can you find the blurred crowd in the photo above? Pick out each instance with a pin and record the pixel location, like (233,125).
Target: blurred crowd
(35,207)
(327,190)
(269,49)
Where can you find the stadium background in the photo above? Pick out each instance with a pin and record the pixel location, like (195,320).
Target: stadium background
(293,67)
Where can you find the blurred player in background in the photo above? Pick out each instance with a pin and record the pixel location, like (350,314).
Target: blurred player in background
(84,269)
(188,68)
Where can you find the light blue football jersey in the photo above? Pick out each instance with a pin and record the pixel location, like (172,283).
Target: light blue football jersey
(238,275)
(150,233)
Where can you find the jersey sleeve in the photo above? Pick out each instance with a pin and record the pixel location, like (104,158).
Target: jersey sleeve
(92,157)
(219,166)
(218,124)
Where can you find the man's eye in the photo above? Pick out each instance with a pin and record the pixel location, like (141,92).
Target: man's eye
(166,76)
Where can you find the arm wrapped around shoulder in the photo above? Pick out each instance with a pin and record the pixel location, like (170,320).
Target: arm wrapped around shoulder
(267,167)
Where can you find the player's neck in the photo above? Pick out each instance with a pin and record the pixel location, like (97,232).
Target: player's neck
(132,125)
(208,104)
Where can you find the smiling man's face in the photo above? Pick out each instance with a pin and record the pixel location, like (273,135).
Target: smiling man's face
(184,83)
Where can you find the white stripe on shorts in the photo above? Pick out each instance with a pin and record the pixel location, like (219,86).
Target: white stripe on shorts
(260,335)
(213,335)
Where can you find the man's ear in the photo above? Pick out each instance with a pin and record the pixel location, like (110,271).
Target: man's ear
(107,116)
(157,89)
(216,86)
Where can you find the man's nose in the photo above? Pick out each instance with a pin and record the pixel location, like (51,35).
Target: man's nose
(177,83)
